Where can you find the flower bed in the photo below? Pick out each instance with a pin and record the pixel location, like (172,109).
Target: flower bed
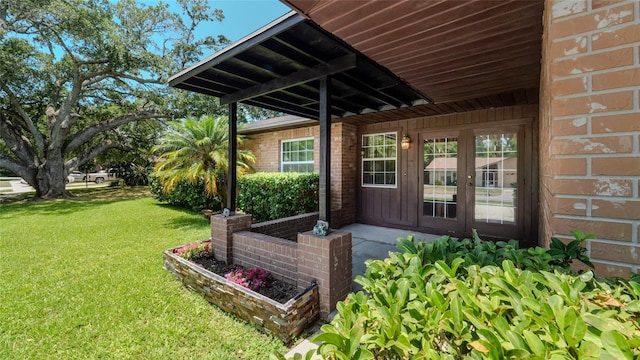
(285,321)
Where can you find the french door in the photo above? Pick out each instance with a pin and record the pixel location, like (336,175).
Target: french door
(470,180)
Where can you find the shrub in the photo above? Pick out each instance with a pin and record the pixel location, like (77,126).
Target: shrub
(269,196)
(479,252)
(448,306)
(195,250)
(136,174)
(185,195)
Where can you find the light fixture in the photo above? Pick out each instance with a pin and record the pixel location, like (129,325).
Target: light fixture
(405,143)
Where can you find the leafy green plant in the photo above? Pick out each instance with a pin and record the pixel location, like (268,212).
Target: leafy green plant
(564,254)
(471,299)
(479,252)
(196,151)
(269,196)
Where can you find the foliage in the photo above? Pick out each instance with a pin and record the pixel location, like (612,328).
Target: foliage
(196,150)
(95,289)
(458,303)
(269,196)
(76,74)
(195,250)
(135,174)
(185,195)
(478,252)
(564,254)
(253,279)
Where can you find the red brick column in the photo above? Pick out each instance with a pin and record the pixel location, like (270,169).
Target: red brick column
(327,260)
(589,123)
(222,229)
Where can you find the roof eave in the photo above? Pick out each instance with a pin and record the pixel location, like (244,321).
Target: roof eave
(275,27)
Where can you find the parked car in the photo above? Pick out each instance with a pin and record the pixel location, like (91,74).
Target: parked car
(77,175)
(102,176)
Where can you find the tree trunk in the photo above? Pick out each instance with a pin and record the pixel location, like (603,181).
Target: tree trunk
(50,180)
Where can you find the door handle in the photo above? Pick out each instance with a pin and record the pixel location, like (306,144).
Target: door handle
(470,181)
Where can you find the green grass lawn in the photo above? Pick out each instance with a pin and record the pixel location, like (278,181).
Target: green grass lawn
(83,278)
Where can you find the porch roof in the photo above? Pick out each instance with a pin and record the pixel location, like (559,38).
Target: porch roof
(412,58)
(279,66)
(464,55)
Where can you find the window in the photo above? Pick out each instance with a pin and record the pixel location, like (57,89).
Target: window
(297,156)
(379,160)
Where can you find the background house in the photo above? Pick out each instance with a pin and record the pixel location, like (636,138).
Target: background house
(559,79)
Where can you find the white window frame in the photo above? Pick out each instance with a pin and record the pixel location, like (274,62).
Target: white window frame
(283,163)
(364,159)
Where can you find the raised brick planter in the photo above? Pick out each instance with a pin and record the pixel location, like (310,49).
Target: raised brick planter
(285,321)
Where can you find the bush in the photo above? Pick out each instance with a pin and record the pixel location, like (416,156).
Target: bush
(269,196)
(450,307)
(136,174)
(185,195)
(478,252)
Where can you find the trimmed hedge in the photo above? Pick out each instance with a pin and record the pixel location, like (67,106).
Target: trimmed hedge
(185,195)
(270,196)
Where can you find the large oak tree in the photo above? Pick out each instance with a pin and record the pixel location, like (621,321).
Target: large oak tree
(77,75)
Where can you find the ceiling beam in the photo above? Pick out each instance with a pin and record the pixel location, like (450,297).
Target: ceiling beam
(343,63)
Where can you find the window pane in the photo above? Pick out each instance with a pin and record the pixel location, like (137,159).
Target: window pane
(297,156)
(439,177)
(379,159)
(390,179)
(390,165)
(496,178)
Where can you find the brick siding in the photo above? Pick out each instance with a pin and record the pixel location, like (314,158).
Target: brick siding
(589,128)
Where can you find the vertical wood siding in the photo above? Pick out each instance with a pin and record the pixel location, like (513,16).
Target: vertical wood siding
(399,207)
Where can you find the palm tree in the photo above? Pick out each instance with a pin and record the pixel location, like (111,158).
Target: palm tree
(196,150)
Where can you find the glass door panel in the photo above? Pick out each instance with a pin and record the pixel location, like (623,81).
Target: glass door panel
(440,178)
(496,178)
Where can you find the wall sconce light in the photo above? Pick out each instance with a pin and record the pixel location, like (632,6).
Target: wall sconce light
(405,143)
(362,152)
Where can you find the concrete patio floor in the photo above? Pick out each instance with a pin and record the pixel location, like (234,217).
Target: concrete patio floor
(375,242)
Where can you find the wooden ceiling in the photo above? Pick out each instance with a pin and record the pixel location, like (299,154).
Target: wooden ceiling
(462,54)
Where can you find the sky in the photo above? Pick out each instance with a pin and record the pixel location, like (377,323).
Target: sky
(241,17)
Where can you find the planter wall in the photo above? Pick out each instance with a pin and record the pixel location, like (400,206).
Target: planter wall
(285,321)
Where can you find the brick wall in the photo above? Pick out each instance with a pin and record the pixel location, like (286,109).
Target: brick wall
(276,255)
(287,228)
(325,260)
(590,128)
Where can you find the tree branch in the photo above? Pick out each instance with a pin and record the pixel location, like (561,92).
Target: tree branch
(18,144)
(64,120)
(83,158)
(30,126)
(13,166)
(87,133)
